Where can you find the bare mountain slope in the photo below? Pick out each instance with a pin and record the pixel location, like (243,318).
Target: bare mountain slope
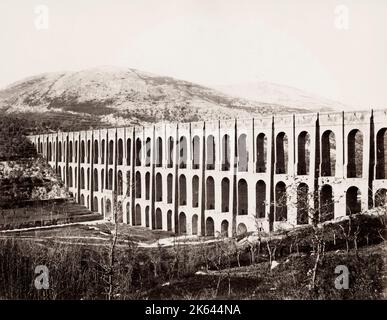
(109,96)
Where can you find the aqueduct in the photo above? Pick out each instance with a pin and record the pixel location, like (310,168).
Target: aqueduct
(227,176)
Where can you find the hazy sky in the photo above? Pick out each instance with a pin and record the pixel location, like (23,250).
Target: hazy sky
(300,43)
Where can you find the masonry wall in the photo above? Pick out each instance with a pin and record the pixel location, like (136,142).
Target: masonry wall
(229,176)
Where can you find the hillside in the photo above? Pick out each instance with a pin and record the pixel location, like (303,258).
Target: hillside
(110,96)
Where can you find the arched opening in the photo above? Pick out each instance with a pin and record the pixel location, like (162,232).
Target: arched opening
(138,152)
(226,152)
(102,179)
(59,151)
(302,203)
(110,179)
(95,204)
(82,199)
(82,151)
(170,153)
(225,194)
(169,188)
(281,153)
(243,203)
(59,172)
(120,213)
(111,152)
(148,152)
(128,212)
(70,151)
(355,154)
(328,154)
(260,198)
(381,154)
(381,197)
(88,178)
(103,151)
(159,219)
(88,151)
(183,153)
(137,217)
(70,177)
(102,207)
(210,154)
(353,200)
(159,187)
(159,152)
(138,184)
(281,210)
(182,223)
(147,186)
(82,178)
(128,151)
(182,190)
(120,152)
(243,155)
(120,183)
(95,180)
(108,209)
(224,228)
(303,153)
(195,224)
(210,193)
(196,152)
(50,152)
(327,205)
(210,228)
(241,229)
(76,178)
(261,147)
(195,191)
(169,220)
(95,149)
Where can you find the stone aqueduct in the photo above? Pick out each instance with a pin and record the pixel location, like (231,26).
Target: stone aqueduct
(227,176)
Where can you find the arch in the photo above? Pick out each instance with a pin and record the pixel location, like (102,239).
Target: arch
(70,177)
(261,147)
(195,224)
(381,197)
(210,227)
(159,219)
(302,203)
(88,179)
(241,229)
(159,152)
(224,228)
(82,178)
(169,220)
(243,203)
(159,187)
(102,207)
(120,154)
(381,154)
(138,184)
(281,210)
(147,218)
(353,200)
(169,188)
(108,209)
(210,193)
(120,183)
(183,150)
(243,154)
(260,199)
(327,205)
(138,152)
(225,194)
(95,180)
(110,179)
(128,212)
(195,191)
(70,151)
(182,190)
(355,154)
(82,199)
(103,151)
(120,213)
(59,151)
(128,151)
(95,149)
(59,172)
(95,204)
(210,153)
(170,153)
(226,152)
(148,145)
(147,186)
(111,152)
(137,216)
(50,152)
(182,223)
(102,179)
(328,154)
(303,153)
(76,178)
(195,152)
(88,151)
(281,153)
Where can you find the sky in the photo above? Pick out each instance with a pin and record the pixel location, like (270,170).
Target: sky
(335,49)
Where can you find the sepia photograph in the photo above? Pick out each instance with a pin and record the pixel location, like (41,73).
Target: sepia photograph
(193,151)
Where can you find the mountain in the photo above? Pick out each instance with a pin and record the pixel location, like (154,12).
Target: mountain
(272,93)
(109,96)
